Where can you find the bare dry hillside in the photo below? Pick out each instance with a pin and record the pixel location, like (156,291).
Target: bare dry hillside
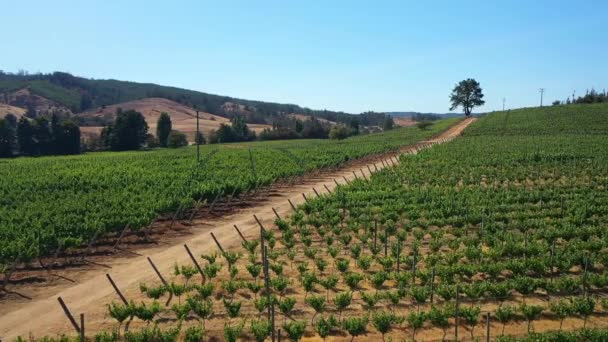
(182,117)
(8,109)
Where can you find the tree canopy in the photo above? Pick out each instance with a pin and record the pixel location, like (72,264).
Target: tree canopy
(128,132)
(163,128)
(468,95)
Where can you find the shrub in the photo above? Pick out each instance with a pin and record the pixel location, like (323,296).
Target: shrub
(177,139)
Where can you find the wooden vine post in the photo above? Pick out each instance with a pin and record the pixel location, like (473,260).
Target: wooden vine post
(457,312)
(116,289)
(488,326)
(82,334)
(293,207)
(240,234)
(432,285)
(217,243)
(79,328)
(198,267)
(162,279)
(275,213)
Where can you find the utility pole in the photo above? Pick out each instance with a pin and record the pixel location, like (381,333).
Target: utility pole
(197,140)
(573,93)
(503,104)
(542,91)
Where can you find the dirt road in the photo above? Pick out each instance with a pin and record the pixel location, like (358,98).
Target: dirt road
(43,316)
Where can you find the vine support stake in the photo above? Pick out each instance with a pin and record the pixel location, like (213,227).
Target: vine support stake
(346,180)
(175,216)
(305,199)
(267,279)
(272,322)
(369,169)
(316,193)
(69,314)
(240,234)
(259,223)
(363,174)
(198,267)
(195,210)
(326,188)
(432,285)
(457,313)
(91,242)
(291,204)
(217,243)
(275,213)
(82,334)
(122,297)
(162,280)
(488,326)
(335,181)
(355,174)
(375,167)
(122,234)
(214,201)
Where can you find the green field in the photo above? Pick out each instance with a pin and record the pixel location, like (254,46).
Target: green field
(48,201)
(507,221)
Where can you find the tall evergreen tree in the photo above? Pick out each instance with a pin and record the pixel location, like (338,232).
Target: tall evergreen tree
(43,137)
(25,137)
(67,138)
(7,139)
(163,128)
(128,132)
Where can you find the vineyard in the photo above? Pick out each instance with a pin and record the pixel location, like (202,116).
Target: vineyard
(500,234)
(49,205)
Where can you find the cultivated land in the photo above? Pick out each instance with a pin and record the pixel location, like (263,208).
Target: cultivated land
(508,220)
(49,205)
(130,271)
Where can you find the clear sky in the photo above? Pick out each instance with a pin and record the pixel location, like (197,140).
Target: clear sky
(341,55)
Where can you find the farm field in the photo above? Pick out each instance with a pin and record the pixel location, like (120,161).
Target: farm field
(505,221)
(86,289)
(48,205)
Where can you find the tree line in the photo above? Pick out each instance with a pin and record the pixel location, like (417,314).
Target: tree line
(38,137)
(591,96)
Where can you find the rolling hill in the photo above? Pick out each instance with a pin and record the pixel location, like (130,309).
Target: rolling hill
(183,118)
(79,94)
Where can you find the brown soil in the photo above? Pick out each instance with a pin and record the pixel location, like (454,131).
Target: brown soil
(404,122)
(85,288)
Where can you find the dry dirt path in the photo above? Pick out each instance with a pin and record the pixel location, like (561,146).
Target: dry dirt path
(90,295)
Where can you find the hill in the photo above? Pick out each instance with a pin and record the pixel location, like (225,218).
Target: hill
(413,114)
(8,109)
(183,118)
(80,94)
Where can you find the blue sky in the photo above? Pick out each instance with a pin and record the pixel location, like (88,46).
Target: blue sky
(341,55)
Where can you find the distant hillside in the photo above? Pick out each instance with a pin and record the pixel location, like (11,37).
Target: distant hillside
(413,114)
(8,109)
(78,94)
(183,118)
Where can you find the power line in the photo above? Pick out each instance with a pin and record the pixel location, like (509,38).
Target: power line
(542,91)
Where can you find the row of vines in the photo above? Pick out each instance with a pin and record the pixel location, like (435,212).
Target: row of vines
(502,229)
(54,203)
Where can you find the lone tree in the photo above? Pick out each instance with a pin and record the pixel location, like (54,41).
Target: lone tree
(467,93)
